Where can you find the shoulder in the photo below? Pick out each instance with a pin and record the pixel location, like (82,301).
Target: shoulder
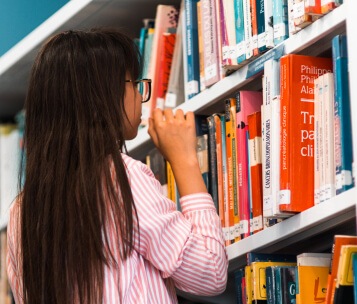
(135,166)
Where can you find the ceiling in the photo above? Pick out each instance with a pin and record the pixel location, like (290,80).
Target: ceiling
(126,14)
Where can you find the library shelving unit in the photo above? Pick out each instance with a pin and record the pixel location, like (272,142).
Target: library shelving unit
(312,229)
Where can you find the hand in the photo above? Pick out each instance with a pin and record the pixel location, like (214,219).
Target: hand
(174,134)
(175,137)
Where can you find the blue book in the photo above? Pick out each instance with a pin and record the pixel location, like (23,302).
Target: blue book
(261,26)
(239,275)
(343,142)
(212,154)
(192,52)
(270,284)
(240,36)
(280,21)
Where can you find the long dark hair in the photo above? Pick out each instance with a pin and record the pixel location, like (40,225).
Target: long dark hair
(74,137)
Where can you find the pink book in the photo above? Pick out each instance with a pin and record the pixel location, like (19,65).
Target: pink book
(248,102)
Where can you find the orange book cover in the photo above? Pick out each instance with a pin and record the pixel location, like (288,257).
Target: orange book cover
(255,161)
(220,184)
(253,13)
(297,74)
(166,54)
(327,6)
(231,152)
(339,241)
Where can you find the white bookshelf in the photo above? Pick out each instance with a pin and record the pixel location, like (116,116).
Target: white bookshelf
(337,214)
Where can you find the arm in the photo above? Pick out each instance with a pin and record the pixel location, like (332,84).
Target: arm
(187,247)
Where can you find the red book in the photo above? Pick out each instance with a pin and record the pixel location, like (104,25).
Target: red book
(255,167)
(338,242)
(248,102)
(166,54)
(297,74)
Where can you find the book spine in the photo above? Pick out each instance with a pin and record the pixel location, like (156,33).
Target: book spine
(247,29)
(240,37)
(229,16)
(261,26)
(231,153)
(213,182)
(224,34)
(255,161)
(167,51)
(301,16)
(254,25)
(280,21)
(210,42)
(343,126)
(317,140)
(327,6)
(200,47)
(329,157)
(269,25)
(192,51)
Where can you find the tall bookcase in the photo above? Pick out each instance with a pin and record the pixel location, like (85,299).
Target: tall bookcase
(311,230)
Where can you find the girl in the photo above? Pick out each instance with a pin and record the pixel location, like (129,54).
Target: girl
(91,224)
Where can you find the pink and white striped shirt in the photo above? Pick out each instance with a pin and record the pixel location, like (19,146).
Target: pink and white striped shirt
(183,250)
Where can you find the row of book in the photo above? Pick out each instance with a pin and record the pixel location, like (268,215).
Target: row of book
(279,151)
(329,278)
(188,49)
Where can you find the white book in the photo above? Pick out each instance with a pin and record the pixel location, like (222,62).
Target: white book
(314,259)
(248,29)
(269,29)
(329,156)
(317,122)
(321,138)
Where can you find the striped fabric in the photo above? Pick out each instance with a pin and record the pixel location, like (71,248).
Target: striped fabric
(183,250)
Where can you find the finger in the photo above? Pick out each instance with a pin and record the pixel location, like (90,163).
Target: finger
(179,114)
(168,115)
(190,117)
(157,115)
(152,131)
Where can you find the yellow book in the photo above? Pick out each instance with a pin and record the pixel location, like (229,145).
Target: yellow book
(259,279)
(171,186)
(344,272)
(313,270)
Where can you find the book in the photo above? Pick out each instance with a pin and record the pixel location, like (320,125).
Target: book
(166,17)
(240,35)
(270,285)
(269,25)
(344,280)
(248,102)
(297,129)
(260,16)
(285,284)
(239,285)
(354,269)
(327,6)
(269,257)
(166,56)
(200,46)
(212,147)
(313,271)
(256,184)
(342,109)
(259,278)
(302,17)
(231,155)
(211,58)
(280,21)
(192,51)
(156,162)
(338,241)
(175,94)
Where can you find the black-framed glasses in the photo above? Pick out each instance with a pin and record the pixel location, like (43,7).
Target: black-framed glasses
(144,88)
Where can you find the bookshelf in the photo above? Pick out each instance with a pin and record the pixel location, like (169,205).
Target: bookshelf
(313,228)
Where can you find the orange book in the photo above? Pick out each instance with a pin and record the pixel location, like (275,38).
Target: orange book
(327,6)
(297,74)
(253,13)
(339,241)
(255,161)
(231,152)
(166,54)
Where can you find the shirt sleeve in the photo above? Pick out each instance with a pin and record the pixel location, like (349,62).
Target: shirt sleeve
(12,259)
(187,247)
